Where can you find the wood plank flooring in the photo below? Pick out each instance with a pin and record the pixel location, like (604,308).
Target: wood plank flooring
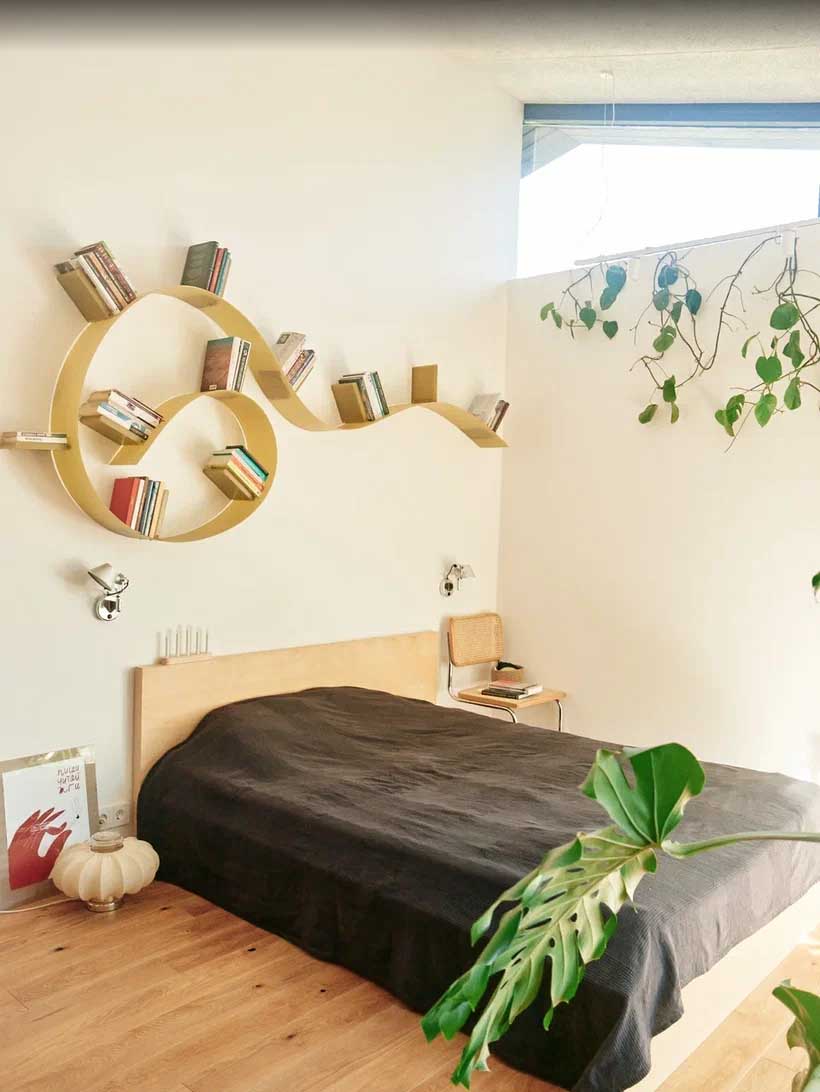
(172,994)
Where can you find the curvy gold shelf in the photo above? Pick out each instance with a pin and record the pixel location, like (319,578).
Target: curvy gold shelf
(258,435)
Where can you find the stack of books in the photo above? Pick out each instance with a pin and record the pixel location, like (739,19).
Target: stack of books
(140,504)
(295,361)
(517,691)
(207,267)
(34,441)
(226,360)
(237,473)
(489,408)
(120,417)
(360,397)
(95,282)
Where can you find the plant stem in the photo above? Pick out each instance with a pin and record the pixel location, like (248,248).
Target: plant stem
(680,850)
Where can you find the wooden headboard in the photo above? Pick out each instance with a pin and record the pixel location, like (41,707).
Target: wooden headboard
(171,699)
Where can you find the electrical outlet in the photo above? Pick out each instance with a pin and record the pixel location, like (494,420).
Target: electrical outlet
(114,815)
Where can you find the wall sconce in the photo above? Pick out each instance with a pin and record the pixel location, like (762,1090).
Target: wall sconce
(452,578)
(107,606)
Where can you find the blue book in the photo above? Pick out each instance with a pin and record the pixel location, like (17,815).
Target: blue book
(248,460)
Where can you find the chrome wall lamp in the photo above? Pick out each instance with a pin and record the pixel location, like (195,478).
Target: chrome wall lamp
(451,581)
(107,607)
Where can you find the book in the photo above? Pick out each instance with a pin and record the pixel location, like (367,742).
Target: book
(34,441)
(111,286)
(287,348)
(113,269)
(220,369)
(123,498)
(129,404)
(372,393)
(223,274)
(301,368)
(377,383)
(199,264)
(100,287)
(147,506)
(489,408)
(140,497)
(239,469)
(91,410)
(218,260)
(82,293)
(243,453)
(244,353)
(159,512)
(516,693)
(234,487)
(109,424)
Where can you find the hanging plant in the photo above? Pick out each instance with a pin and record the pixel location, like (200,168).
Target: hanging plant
(584,314)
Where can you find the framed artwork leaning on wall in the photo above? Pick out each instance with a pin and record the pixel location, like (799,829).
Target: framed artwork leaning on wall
(47,801)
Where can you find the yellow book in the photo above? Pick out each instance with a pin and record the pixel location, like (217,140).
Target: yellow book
(79,288)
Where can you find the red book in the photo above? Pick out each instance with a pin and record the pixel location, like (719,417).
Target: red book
(123,496)
(218,260)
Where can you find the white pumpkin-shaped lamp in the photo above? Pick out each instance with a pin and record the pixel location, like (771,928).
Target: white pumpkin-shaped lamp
(103,870)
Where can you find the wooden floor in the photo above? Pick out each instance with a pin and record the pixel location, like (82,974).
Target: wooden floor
(171,994)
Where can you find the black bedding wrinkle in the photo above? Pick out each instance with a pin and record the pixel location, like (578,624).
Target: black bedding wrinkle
(372,831)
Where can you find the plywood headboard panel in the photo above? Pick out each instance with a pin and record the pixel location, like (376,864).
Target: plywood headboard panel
(170,700)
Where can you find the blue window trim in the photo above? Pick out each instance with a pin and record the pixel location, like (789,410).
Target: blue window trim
(724,115)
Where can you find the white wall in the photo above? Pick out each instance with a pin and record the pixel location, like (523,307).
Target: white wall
(369,200)
(660,580)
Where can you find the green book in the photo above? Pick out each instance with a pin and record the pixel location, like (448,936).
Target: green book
(199,264)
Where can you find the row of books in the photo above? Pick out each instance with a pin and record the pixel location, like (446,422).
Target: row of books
(206,266)
(140,504)
(489,408)
(295,361)
(237,473)
(119,417)
(34,441)
(225,364)
(517,691)
(360,397)
(95,282)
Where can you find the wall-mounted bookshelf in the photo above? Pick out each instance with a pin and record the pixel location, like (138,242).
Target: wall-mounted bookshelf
(258,437)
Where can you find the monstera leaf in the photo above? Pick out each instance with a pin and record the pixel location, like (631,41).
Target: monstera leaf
(561,916)
(804,1032)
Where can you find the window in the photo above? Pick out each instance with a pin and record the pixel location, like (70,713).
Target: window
(657,178)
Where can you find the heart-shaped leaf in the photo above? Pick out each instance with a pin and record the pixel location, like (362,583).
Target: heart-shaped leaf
(675,412)
(616,276)
(545,310)
(608,297)
(765,408)
(556,318)
(665,339)
(646,415)
(723,421)
(792,349)
(693,299)
(784,316)
(675,311)
(734,407)
(610,328)
(661,299)
(667,276)
(769,368)
(670,394)
(587,315)
(791,396)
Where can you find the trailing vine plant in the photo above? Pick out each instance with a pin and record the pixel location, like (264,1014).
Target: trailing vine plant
(784,355)
(561,916)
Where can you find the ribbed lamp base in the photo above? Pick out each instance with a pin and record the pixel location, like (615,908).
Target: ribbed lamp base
(104,906)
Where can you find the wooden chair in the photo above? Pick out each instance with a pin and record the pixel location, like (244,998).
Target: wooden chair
(479,639)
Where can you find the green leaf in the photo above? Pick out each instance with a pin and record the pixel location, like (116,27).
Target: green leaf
(722,419)
(693,299)
(616,277)
(667,276)
(545,310)
(765,408)
(746,345)
(675,412)
(791,396)
(784,316)
(792,349)
(805,1031)
(587,315)
(815,583)
(608,297)
(734,407)
(557,319)
(610,328)
(665,339)
(661,299)
(675,311)
(670,394)
(769,368)
(646,415)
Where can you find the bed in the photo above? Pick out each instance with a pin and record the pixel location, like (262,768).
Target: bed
(372,827)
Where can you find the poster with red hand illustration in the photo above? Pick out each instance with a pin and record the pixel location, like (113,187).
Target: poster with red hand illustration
(46,808)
